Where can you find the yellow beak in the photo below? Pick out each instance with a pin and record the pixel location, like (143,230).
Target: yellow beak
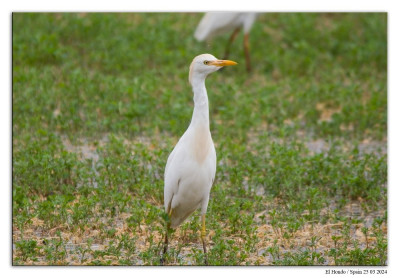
(222,63)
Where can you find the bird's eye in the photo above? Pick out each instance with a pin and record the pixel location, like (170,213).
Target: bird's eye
(206,62)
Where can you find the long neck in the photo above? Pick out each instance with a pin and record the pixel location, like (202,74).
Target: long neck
(200,112)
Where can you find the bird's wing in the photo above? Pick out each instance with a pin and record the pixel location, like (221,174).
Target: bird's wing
(181,166)
(172,173)
(214,164)
(213,24)
(171,182)
(170,158)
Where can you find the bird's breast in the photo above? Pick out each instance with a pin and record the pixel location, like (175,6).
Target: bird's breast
(202,143)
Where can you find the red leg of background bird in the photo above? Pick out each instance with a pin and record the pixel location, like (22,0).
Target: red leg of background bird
(230,41)
(246,52)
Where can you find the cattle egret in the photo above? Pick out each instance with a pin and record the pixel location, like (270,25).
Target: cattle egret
(214,24)
(190,170)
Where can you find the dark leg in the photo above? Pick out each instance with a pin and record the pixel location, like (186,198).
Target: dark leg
(167,230)
(246,51)
(231,39)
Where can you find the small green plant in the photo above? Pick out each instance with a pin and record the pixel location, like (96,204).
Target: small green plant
(28,250)
(55,251)
(301,142)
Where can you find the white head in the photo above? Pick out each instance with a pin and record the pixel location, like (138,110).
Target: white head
(205,64)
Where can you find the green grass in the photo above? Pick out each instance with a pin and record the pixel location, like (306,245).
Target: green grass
(99,101)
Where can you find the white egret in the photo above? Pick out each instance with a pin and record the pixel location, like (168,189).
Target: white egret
(191,166)
(216,23)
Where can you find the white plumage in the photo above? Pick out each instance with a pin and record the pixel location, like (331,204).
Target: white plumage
(217,23)
(191,166)
(189,173)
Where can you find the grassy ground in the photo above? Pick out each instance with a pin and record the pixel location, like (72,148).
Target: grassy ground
(99,101)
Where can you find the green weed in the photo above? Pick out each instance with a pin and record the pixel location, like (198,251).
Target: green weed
(100,99)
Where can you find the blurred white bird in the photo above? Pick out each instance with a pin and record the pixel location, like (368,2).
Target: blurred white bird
(190,170)
(216,23)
